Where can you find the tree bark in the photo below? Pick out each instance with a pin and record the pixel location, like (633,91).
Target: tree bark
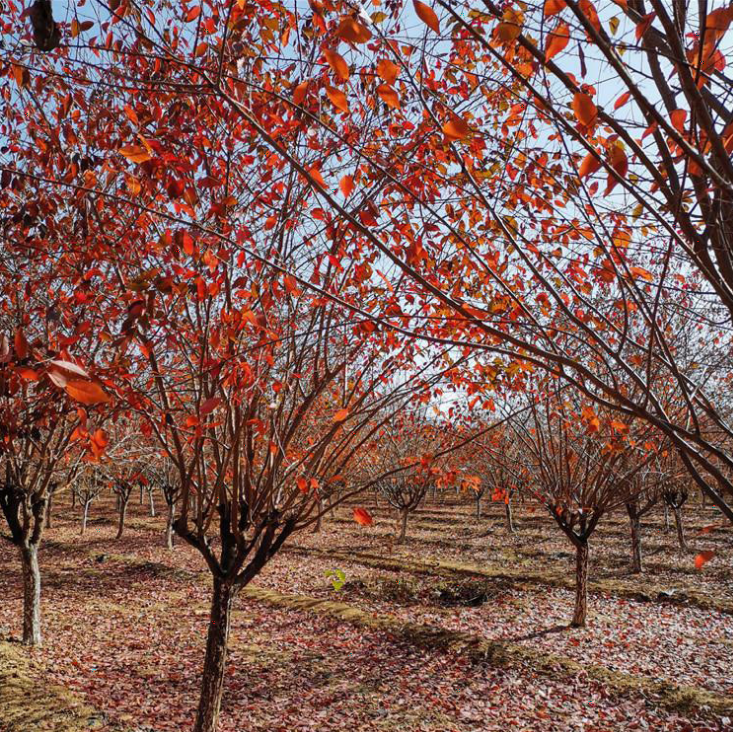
(509,517)
(403,526)
(666,518)
(84,517)
(680,529)
(31,595)
(478,507)
(49,509)
(123,512)
(636,561)
(212,684)
(152,503)
(581,584)
(169,532)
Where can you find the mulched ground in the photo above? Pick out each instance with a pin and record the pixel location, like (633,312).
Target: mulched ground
(128,636)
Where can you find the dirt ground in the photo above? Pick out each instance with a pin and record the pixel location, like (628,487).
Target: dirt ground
(463,628)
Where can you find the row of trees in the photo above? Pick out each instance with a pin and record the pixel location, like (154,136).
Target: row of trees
(256,236)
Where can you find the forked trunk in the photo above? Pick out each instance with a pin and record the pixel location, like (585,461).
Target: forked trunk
(581,584)
(509,517)
(403,526)
(212,682)
(31,596)
(680,529)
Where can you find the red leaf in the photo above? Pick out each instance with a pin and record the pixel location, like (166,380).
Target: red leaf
(557,40)
(703,558)
(622,100)
(21,344)
(341,415)
(362,517)
(346,185)
(209,405)
(427,15)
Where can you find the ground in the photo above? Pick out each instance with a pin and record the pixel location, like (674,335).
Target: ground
(464,628)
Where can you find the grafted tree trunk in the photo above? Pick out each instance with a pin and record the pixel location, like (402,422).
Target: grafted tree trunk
(634,518)
(509,517)
(31,595)
(681,541)
(212,684)
(404,513)
(581,584)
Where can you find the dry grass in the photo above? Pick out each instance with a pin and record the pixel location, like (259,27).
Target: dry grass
(30,705)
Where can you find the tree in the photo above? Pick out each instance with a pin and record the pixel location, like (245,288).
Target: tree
(581,466)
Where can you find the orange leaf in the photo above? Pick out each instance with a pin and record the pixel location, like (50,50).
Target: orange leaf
(589,165)
(389,96)
(135,153)
(362,517)
(61,371)
(641,273)
(427,15)
(28,374)
(677,117)
(352,31)
(347,185)
(193,13)
(317,177)
(338,98)
(299,92)
(585,110)
(456,128)
(644,25)
(622,100)
(388,71)
(86,392)
(337,63)
(557,40)
(341,415)
(302,484)
(703,558)
(619,163)
(553,7)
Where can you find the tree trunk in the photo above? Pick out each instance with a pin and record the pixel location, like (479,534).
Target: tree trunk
(49,509)
(403,526)
(509,517)
(212,682)
(169,533)
(666,518)
(142,493)
(581,584)
(84,517)
(152,503)
(478,507)
(123,512)
(73,499)
(680,529)
(636,563)
(31,595)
